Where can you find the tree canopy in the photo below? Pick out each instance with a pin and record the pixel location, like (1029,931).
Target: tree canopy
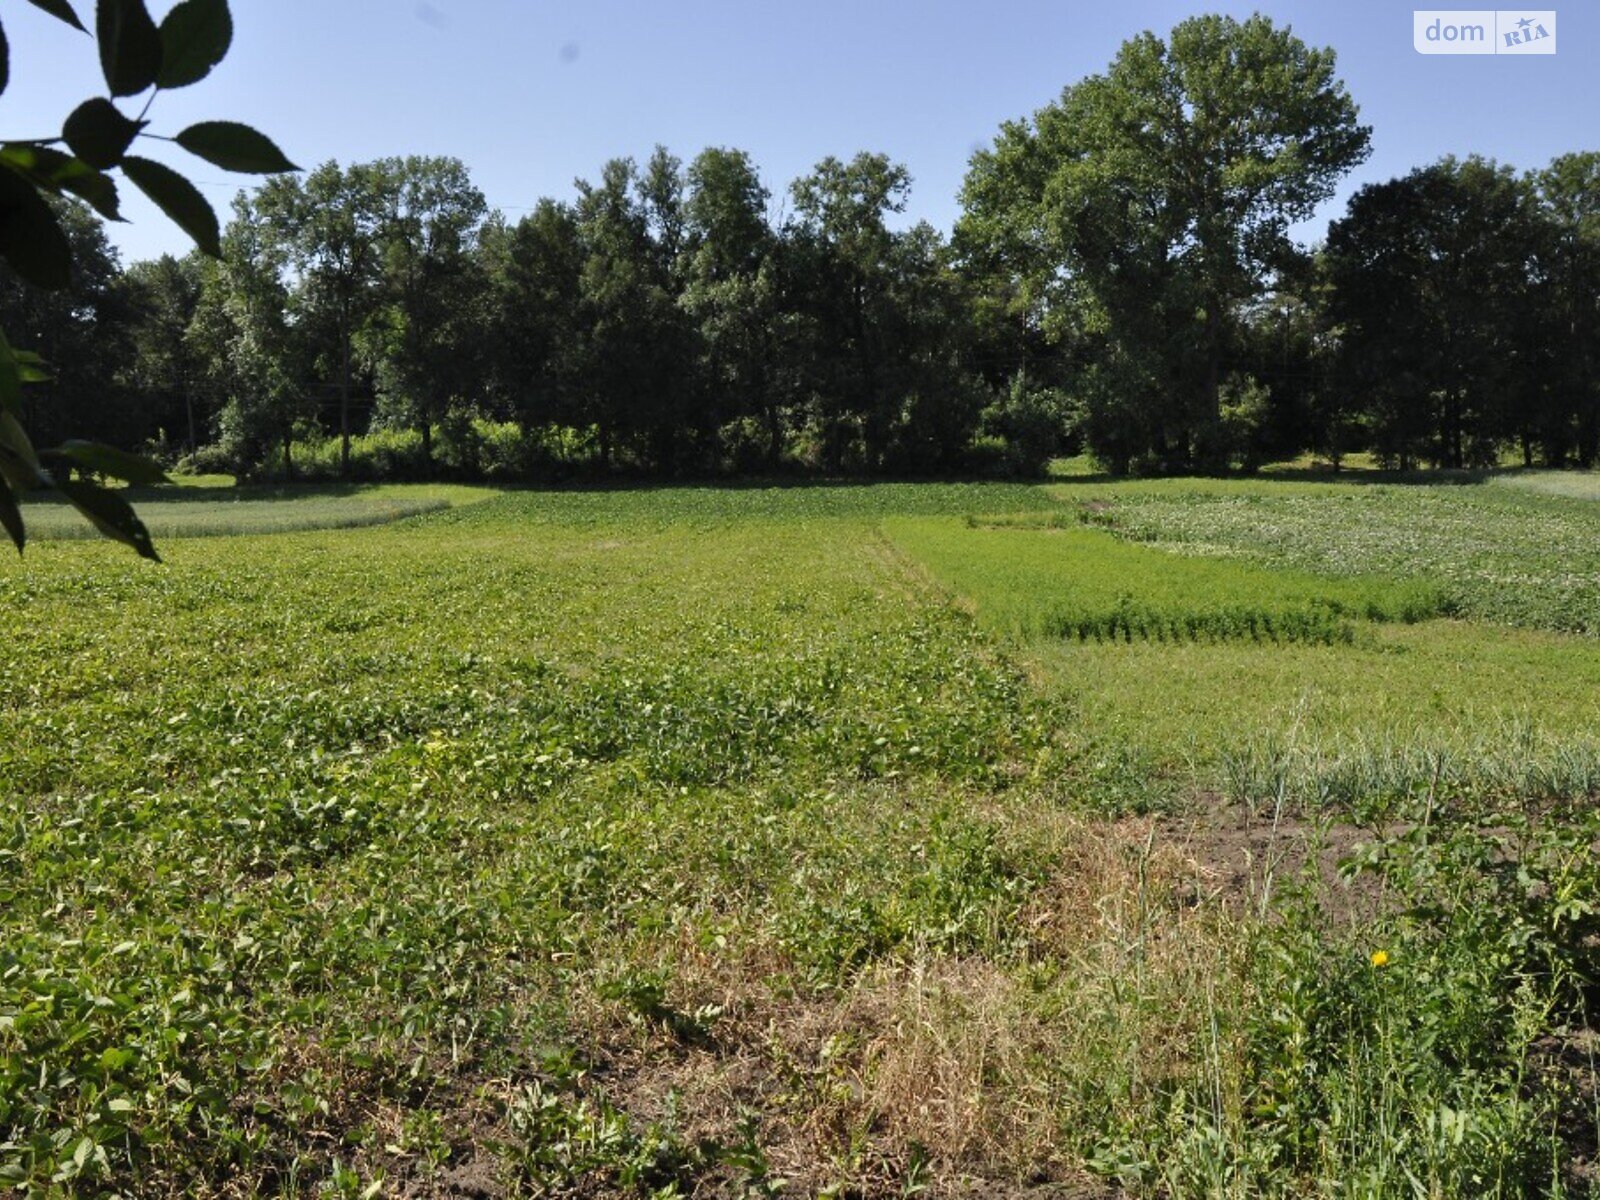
(1123,280)
(1136,215)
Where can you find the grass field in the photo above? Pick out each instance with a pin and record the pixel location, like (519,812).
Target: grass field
(1037,575)
(845,841)
(213,507)
(1508,552)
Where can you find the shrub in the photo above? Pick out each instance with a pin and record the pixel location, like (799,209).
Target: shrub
(207,460)
(1031,422)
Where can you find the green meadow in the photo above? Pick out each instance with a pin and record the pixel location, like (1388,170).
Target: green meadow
(1194,838)
(211,506)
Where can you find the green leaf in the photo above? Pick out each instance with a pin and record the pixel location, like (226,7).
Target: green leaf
(234,147)
(10,378)
(11,517)
(99,134)
(111,515)
(30,237)
(57,172)
(31,367)
(130,46)
(179,199)
(108,460)
(195,37)
(61,11)
(19,465)
(18,367)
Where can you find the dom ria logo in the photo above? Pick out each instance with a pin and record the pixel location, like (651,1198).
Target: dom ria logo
(1484,31)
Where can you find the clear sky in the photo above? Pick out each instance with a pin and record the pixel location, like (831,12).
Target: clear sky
(532,95)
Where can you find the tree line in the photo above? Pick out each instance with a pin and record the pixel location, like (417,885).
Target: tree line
(1122,280)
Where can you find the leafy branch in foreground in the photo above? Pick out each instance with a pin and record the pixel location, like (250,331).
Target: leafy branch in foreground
(138,58)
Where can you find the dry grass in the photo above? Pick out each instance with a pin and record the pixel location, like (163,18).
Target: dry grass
(958,1072)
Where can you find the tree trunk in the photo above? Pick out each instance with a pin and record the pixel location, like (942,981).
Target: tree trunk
(1586,438)
(866,364)
(188,405)
(344,398)
(1588,441)
(774,436)
(427,447)
(1209,439)
(1458,456)
(1213,396)
(288,460)
(664,449)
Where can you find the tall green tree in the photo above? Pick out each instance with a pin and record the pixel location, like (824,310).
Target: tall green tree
(257,355)
(1150,204)
(930,398)
(637,357)
(731,291)
(617,294)
(84,331)
(661,189)
(163,366)
(681,415)
(1430,289)
(432,280)
(888,382)
(1568,318)
(536,333)
(328,227)
(844,250)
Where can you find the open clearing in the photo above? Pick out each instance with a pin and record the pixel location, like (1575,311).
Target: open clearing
(824,840)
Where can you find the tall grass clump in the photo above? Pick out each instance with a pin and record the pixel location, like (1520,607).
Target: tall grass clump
(1371,777)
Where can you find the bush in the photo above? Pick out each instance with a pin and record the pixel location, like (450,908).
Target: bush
(207,460)
(1030,422)
(466,447)
(379,455)
(459,446)
(1244,407)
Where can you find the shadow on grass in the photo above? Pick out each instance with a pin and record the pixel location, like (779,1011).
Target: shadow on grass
(1432,477)
(1361,476)
(1355,477)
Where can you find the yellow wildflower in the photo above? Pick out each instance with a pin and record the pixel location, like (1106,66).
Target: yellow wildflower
(1380,958)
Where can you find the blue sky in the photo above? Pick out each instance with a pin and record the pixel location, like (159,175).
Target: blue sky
(532,94)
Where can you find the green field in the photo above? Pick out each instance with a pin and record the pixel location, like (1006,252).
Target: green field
(213,507)
(815,840)
(1510,551)
(1036,575)
(1308,651)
